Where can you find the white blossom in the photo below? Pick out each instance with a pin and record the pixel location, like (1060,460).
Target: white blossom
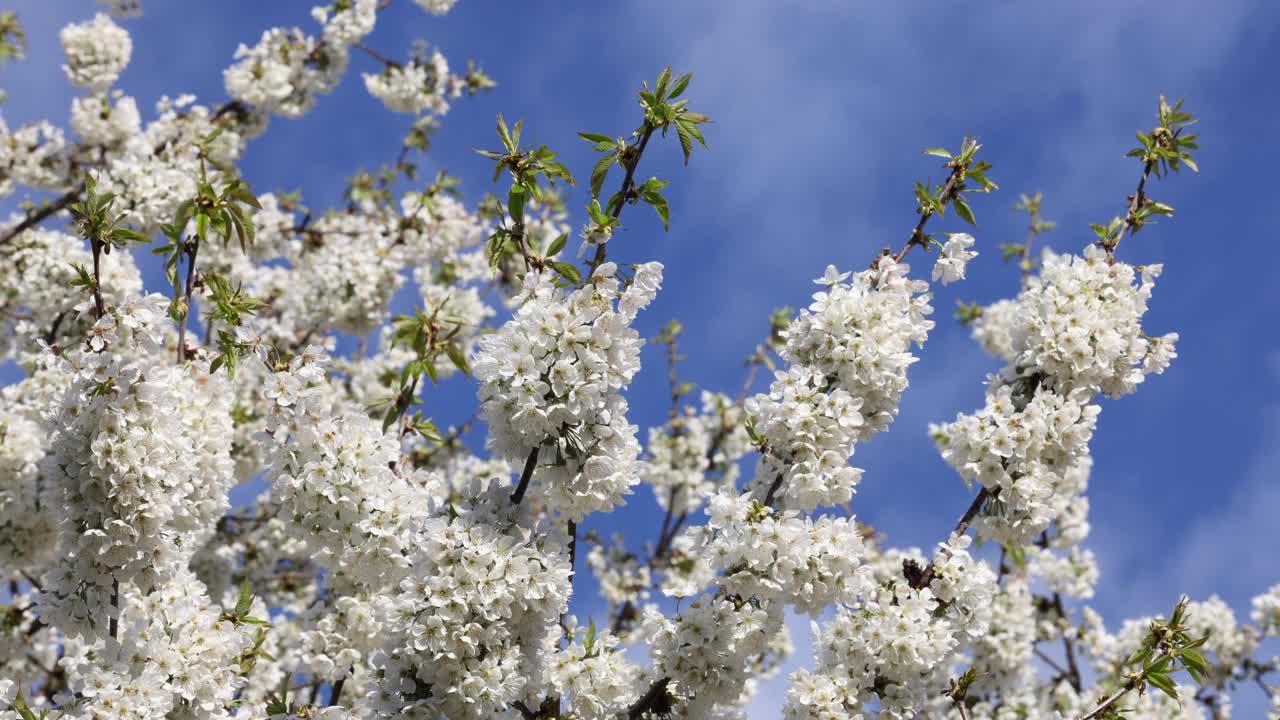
(97,52)
(953,258)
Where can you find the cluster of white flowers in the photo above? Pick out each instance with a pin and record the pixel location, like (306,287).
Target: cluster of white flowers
(849,353)
(423,85)
(783,557)
(139,463)
(176,654)
(1266,611)
(106,120)
(894,644)
(891,639)
(622,576)
(97,52)
(34,155)
(39,303)
(355,248)
(346,22)
(551,381)
(1072,575)
(709,650)
(285,72)
(695,453)
(332,473)
(953,258)
(859,336)
(471,631)
(339,635)
(1021,448)
(997,330)
(1005,651)
(596,677)
(809,432)
(1081,324)
(28,537)
(155,171)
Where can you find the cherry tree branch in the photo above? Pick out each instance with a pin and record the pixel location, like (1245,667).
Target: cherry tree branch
(628,186)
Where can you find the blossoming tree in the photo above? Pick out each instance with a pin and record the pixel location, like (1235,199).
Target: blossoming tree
(389,572)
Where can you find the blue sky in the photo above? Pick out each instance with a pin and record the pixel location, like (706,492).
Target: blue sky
(821,109)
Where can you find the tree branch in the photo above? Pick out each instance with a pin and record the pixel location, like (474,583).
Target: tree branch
(44,213)
(628,185)
(529,465)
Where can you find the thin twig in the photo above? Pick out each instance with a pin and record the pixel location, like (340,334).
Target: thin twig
(917,233)
(628,184)
(1131,217)
(193,247)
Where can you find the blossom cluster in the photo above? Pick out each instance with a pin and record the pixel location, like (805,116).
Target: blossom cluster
(784,558)
(694,453)
(551,381)
(423,85)
(385,571)
(97,52)
(139,462)
(332,471)
(467,634)
(895,642)
(848,354)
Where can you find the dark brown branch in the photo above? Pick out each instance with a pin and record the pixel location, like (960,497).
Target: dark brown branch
(529,465)
(920,579)
(44,213)
(656,699)
(193,247)
(1073,674)
(336,693)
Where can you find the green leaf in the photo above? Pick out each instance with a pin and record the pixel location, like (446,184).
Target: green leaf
(568,271)
(24,710)
(558,244)
(389,418)
(659,204)
(515,202)
(938,152)
(202,226)
(681,83)
(684,132)
(1164,683)
(1193,659)
(245,601)
(588,644)
(123,234)
(504,134)
(458,358)
(600,172)
(243,195)
(595,137)
(964,211)
(664,79)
